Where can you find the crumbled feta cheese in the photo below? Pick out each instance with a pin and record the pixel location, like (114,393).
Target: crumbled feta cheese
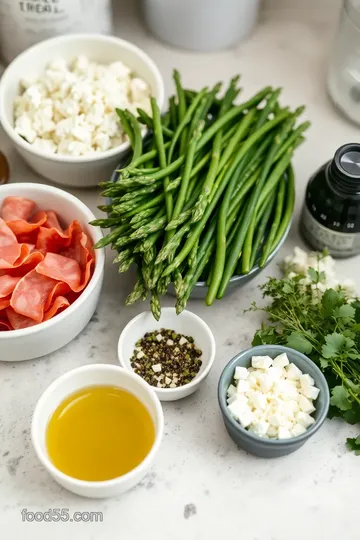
(167,380)
(170,342)
(156,368)
(75,103)
(271,398)
(172,385)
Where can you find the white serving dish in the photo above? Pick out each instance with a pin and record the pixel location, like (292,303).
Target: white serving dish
(186,323)
(82,171)
(47,337)
(71,382)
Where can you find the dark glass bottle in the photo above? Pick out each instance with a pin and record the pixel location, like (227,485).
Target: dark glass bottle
(331,212)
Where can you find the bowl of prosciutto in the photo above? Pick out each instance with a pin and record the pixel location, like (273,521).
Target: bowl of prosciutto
(50,275)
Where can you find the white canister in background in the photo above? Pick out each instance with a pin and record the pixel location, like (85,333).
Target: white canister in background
(25,22)
(201,25)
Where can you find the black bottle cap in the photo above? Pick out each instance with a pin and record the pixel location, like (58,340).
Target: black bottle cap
(345,169)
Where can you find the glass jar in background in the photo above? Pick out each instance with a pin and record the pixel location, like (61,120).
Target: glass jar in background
(344,68)
(23,23)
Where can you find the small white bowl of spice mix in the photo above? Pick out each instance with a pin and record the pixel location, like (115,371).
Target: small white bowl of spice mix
(174,355)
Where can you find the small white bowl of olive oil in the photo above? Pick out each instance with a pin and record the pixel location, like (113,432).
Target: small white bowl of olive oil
(97,429)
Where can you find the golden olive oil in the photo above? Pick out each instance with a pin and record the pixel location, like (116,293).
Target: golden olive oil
(99,433)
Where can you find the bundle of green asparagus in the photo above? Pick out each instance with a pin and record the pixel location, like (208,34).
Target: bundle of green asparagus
(209,195)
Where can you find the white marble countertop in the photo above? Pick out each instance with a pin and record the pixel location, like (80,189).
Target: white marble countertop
(201,486)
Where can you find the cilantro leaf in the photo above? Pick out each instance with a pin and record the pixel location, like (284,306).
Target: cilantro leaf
(340,398)
(313,275)
(287,289)
(352,416)
(324,363)
(299,342)
(344,312)
(265,336)
(329,301)
(334,344)
(354,445)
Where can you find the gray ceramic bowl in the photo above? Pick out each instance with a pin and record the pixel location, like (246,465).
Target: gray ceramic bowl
(250,442)
(236,282)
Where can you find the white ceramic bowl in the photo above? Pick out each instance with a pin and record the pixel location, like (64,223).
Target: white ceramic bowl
(67,170)
(71,382)
(47,337)
(186,323)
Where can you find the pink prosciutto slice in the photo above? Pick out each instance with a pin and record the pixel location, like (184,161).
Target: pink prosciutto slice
(30,295)
(61,268)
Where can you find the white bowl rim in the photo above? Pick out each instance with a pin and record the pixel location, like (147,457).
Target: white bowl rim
(198,378)
(75,482)
(18,140)
(99,262)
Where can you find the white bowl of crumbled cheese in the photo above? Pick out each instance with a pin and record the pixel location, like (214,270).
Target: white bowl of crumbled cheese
(58,103)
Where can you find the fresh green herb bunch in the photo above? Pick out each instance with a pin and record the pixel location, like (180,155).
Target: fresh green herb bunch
(323,325)
(208,196)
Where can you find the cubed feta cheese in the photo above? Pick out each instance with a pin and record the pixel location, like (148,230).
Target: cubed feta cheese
(241,412)
(260,428)
(297,429)
(242,386)
(159,337)
(283,433)
(140,354)
(275,373)
(275,420)
(305,404)
(293,372)
(183,340)
(231,390)
(306,380)
(245,417)
(312,392)
(241,373)
(266,383)
(170,342)
(304,419)
(261,362)
(257,399)
(281,361)
(272,432)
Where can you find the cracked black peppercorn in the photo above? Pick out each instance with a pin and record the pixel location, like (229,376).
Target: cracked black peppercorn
(166,359)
